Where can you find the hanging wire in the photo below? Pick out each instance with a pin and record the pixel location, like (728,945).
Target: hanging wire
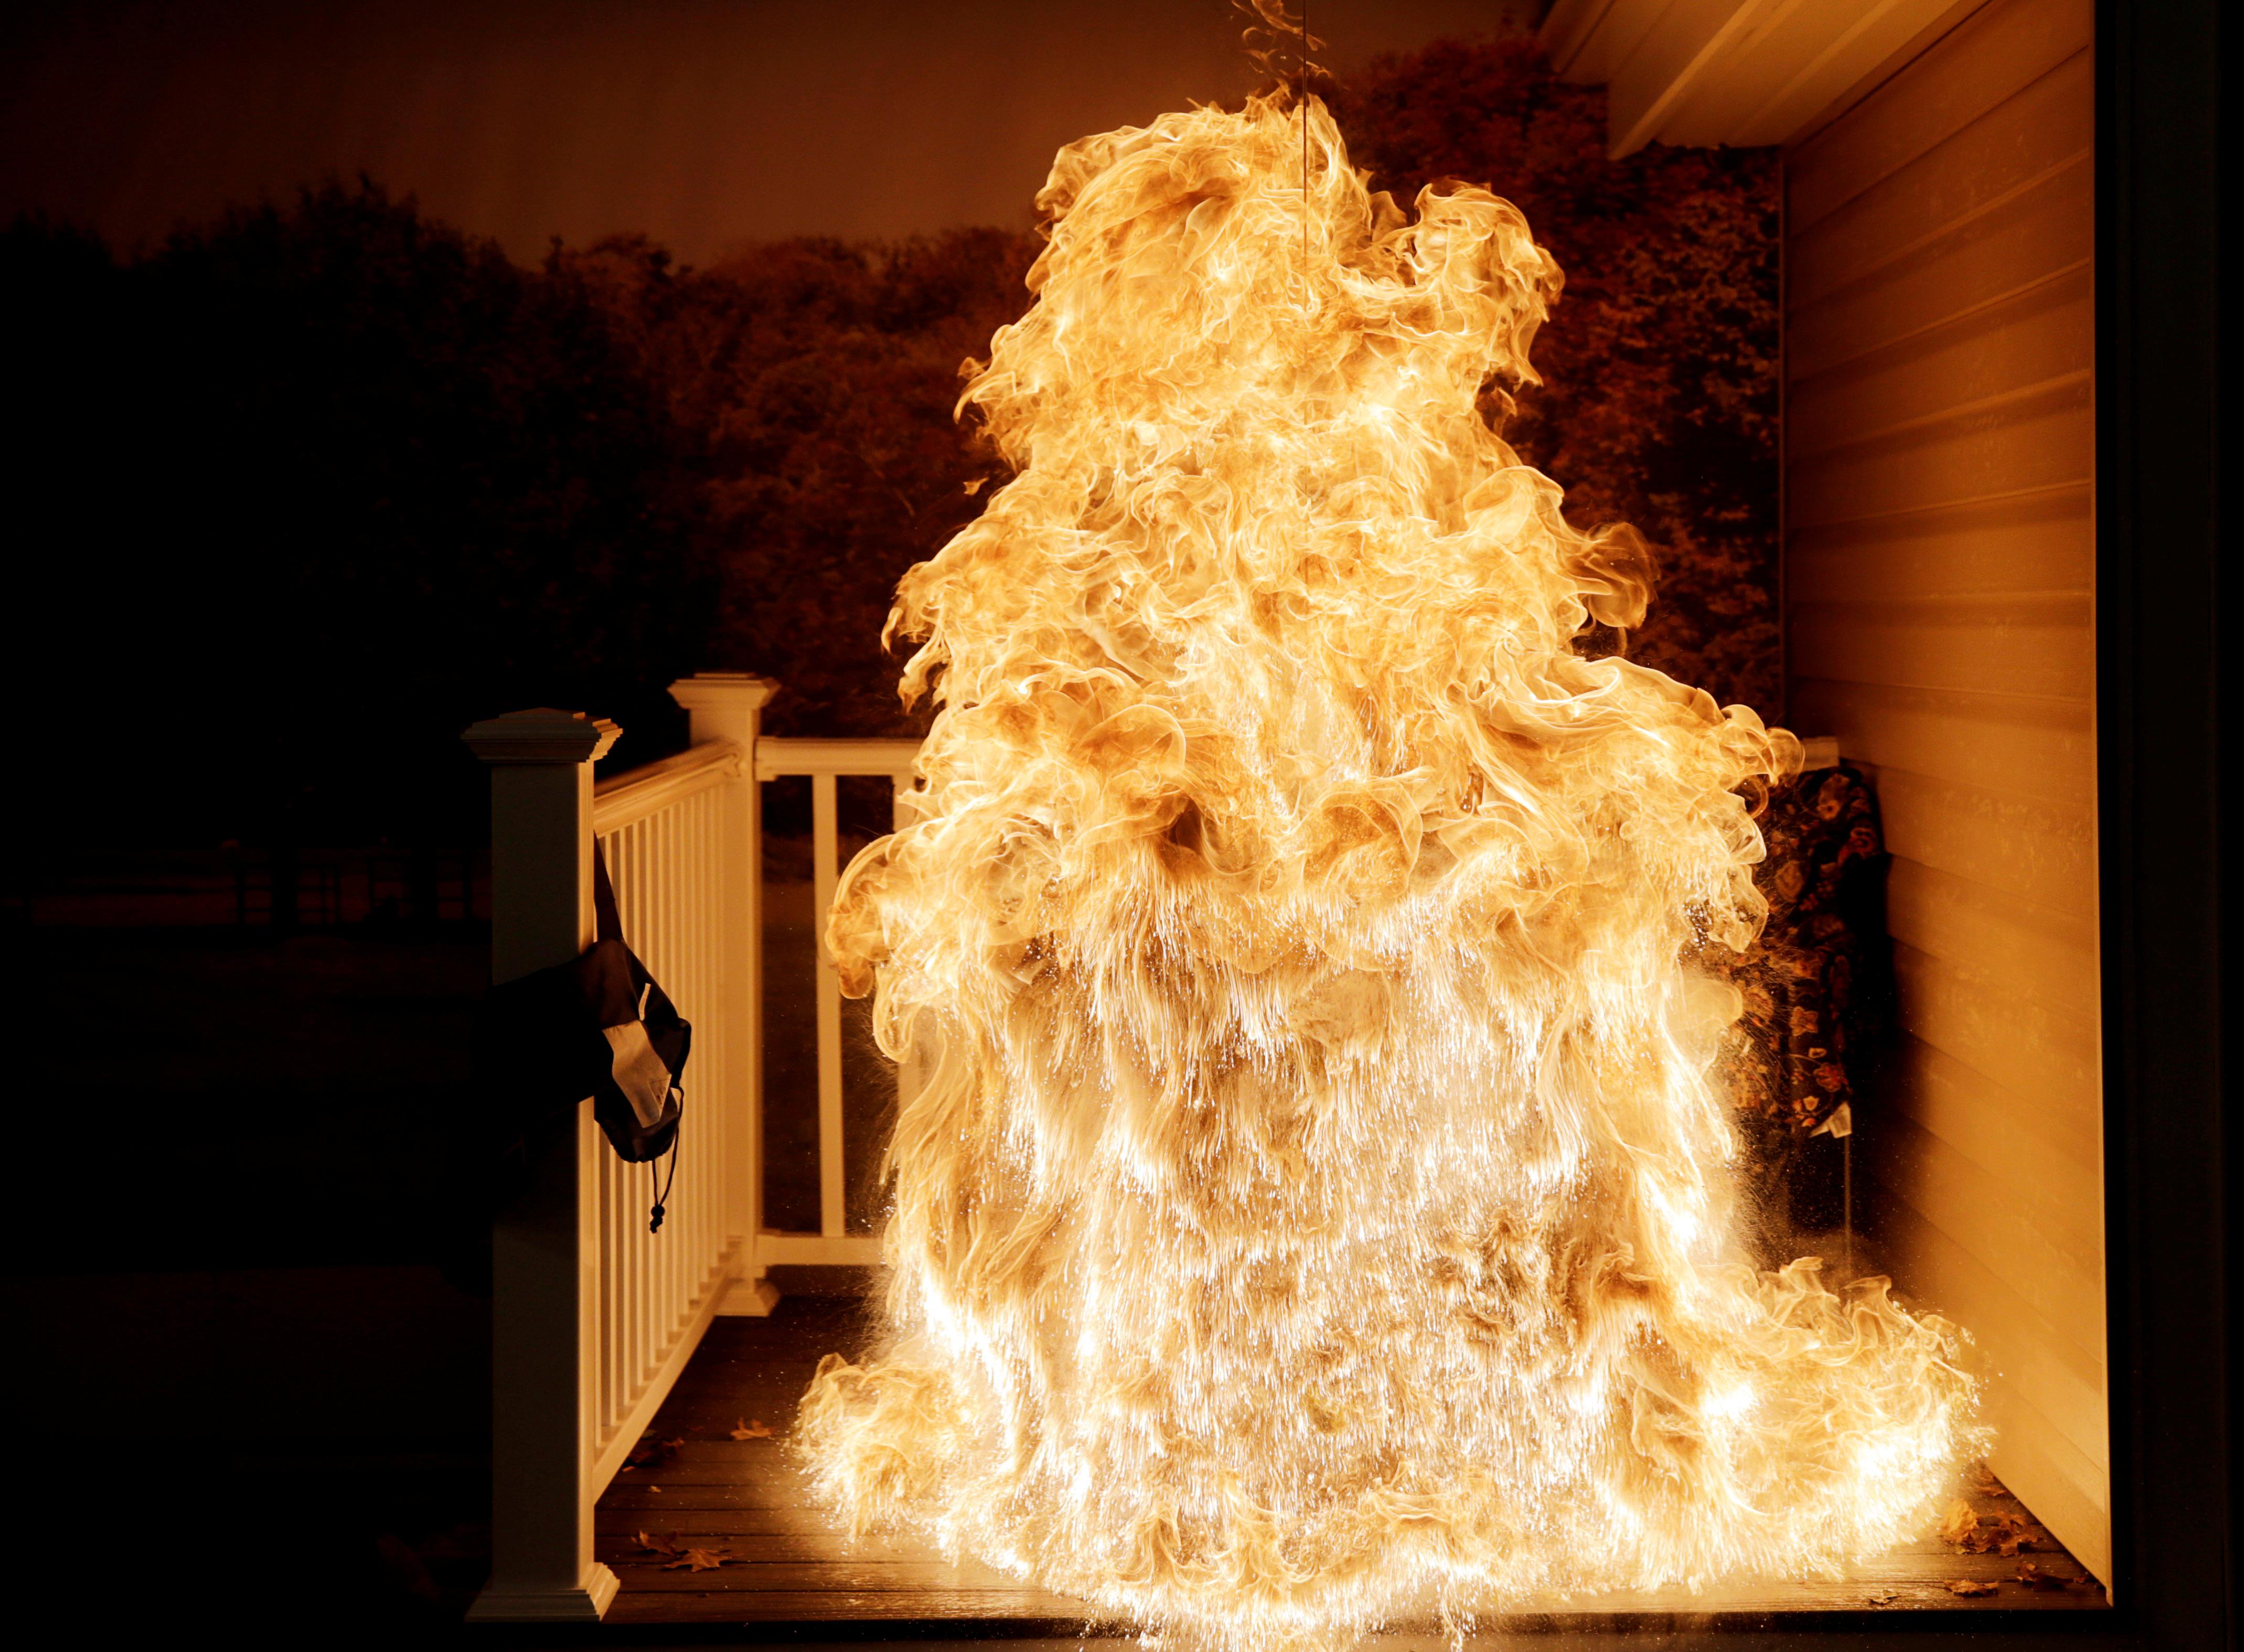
(1301,106)
(1847,1196)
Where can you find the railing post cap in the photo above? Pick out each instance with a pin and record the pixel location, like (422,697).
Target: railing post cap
(742,689)
(543,735)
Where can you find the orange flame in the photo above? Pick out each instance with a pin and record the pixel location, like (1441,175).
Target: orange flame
(1317,1210)
(1278,41)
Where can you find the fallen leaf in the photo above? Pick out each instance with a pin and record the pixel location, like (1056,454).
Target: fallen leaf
(1883,1597)
(699,1560)
(750,1430)
(1976,1534)
(1983,1481)
(2006,1534)
(651,1453)
(1970,1588)
(667,1544)
(2034,1578)
(654,1488)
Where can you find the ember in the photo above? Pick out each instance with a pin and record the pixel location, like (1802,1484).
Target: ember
(1317,1208)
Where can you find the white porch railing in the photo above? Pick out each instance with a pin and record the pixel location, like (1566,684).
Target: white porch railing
(593,1316)
(824,761)
(672,834)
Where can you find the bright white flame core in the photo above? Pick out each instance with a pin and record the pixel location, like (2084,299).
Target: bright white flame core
(1317,1208)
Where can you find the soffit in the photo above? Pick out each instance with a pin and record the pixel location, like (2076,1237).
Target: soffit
(1736,71)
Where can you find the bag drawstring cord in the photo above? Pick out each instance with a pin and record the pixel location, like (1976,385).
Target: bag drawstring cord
(662,1193)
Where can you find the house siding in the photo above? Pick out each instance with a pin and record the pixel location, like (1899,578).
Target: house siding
(1940,610)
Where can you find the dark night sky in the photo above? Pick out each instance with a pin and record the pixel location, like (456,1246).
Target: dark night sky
(705,123)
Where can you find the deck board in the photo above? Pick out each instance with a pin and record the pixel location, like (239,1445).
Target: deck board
(786,1561)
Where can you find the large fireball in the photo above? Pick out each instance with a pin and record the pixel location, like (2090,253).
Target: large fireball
(1316,1209)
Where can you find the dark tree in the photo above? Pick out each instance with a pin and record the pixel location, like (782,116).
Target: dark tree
(307,490)
(819,380)
(312,487)
(1660,361)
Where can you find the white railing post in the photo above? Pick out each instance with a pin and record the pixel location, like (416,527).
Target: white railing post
(542,1244)
(824,762)
(728,705)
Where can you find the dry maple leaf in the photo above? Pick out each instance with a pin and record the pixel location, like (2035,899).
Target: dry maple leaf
(652,1454)
(1970,1588)
(2004,1535)
(2034,1578)
(1976,1534)
(699,1560)
(1984,1483)
(1883,1597)
(744,1430)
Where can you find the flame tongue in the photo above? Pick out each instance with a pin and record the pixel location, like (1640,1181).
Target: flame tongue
(1315,1209)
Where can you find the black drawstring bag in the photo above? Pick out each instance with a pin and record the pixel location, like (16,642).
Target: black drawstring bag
(598,1026)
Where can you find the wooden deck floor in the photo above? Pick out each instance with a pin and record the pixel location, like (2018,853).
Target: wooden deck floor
(743,1503)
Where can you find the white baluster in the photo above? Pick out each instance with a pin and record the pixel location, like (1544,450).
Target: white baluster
(825,851)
